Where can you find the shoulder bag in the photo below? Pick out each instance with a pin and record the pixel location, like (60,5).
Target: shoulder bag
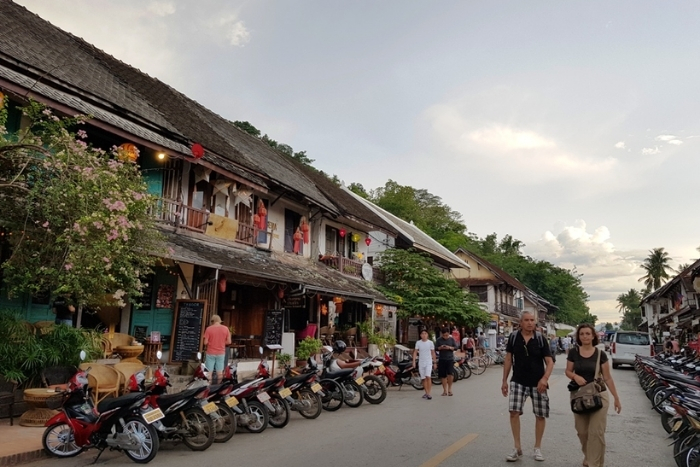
(587,398)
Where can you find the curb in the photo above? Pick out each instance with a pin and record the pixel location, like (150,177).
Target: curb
(22,457)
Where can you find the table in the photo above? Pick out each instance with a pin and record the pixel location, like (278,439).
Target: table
(242,342)
(39,412)
(128,353)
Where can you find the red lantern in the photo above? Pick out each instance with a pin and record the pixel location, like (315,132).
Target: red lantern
(342,233)
(197,151)
(222,284)
(368,241)
(280,293)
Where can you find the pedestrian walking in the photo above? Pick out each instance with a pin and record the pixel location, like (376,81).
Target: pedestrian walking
(567,344)
(455,335)
(480,343)
(425,350)
(529,356)
(468,345)
(582,363)
(446,347)
(216,338)
(64,309)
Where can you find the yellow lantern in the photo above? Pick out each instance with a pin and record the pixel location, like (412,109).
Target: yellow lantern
(355,237)
(127,152)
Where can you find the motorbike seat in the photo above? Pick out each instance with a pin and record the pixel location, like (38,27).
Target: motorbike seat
(296,379)
(167,400)
(405,364)
(121,401)
(680,378)
(339,374)
(272,381)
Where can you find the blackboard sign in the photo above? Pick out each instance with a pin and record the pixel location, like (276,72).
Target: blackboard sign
(272,334)
(188,326)
(140,333)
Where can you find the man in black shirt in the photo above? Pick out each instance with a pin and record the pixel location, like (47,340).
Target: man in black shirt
(529,355)
(64,310)
(446,346)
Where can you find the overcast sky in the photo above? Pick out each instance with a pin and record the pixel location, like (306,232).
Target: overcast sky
(573,126)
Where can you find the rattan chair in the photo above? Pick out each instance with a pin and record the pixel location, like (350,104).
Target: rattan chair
(104,380)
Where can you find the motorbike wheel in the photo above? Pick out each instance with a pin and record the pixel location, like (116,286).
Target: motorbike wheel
(681,445)
(334,395)
(667,422)
(457,374)
(384,379)
(434,377)
(199,429)
(59,441)
(353,394)
(417,383)
(656,400)
(689,456)
(376,390)
(467,371)
(148,436)
(259,412)
(280,417)
(315,404)
(225,427)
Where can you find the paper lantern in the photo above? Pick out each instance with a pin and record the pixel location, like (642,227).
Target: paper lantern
(127,152)
(222,284)
(197,151)
(280,292)
(342,233)
(368,241)
(355,238)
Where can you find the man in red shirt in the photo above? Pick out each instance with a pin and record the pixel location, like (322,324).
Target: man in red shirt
(216,338)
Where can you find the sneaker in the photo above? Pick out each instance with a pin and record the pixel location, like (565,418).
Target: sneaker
(514,456)
(538,455)
(425,396)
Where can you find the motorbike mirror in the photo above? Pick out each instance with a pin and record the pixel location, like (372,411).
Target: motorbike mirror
(83,355)
(159,355)
(260,350)
(199,356)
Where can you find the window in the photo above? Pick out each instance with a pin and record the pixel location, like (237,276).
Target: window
(291,223)
(481,291)
(332,237)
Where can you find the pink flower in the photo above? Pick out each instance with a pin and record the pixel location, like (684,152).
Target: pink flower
(82,134)
(113,235)
(68,266)
(45,224)
(46,112)
(138,196)
(105,259)
(98,225)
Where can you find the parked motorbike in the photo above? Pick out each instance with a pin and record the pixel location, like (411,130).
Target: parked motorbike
(224,417)
(117,424)
(373,389)
(301,391)
(253,402)
(402,373)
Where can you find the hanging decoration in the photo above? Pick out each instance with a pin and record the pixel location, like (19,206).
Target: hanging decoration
(355,237)
(305,229)
(201,174)
(221,186)
(2,99)
(368,241)
(244,196)
(126,152)
(197,151)
(297,241)
(222,283)
(280,292)
(262,215)
(342,233)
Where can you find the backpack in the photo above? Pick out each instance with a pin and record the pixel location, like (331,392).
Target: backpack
(540,340)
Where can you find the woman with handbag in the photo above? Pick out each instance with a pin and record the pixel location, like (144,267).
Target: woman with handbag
(588,364)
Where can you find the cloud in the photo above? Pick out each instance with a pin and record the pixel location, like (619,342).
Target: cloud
(651,151)
(234,31)
(620,145)
(161,8)
(508,138)
(675,142)
(665,137)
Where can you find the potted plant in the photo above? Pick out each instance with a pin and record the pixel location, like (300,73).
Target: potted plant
(365,329)
(284,359)
(308,347)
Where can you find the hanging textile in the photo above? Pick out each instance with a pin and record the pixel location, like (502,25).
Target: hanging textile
(297,241)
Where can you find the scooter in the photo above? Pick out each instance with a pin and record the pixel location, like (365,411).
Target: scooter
(301,392)
(117,424)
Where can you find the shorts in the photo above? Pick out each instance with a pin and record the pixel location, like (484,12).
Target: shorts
(519,393)
(425,369)
(215,363)
(445,368)
(470,352)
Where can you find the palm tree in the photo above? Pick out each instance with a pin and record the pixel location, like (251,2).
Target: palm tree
(656,266)
(628,304)
(682,267)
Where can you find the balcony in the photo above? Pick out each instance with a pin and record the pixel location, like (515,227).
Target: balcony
(180,215)
(508,310)
(350,267)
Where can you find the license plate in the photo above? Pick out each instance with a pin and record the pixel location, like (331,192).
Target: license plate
(209,408)
(381,368)
(456,364)
(263,397)
(677,425)
(316,387)
(360,380)
(285,392)
(153,415)
(232,401)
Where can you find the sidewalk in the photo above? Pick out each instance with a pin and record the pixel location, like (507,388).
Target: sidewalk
(20,444)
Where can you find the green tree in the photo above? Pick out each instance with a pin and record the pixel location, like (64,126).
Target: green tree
(628,305)
(656,267)
(248,128)
(608,326)
(78,219)
(359,190)
(423,291)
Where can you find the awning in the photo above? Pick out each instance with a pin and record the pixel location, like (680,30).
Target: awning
(268,266)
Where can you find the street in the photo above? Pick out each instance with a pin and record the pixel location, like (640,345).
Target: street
(470,428)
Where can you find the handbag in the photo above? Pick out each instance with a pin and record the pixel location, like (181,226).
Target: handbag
(587,398)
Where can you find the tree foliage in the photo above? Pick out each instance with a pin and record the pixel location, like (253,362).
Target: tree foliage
(301,156)
(628,304)
(656,267)
(423,291)
(78,218)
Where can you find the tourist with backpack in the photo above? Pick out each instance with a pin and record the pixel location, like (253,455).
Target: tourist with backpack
(529,356)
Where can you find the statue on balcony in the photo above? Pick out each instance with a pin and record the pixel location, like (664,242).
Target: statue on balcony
(262,215)
(304,224)
(297,241)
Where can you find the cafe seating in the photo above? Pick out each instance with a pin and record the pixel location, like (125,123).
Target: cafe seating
(118,340)
(351,337)
(7,396)
(57,377)
(327,335)
(104,380)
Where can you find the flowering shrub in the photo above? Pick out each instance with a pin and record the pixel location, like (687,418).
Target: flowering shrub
(78,219)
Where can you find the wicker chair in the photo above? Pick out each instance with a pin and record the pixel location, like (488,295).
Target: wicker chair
(351,337)
(7,396)
(57,377)
(126,369)
(104,380)
(118,340)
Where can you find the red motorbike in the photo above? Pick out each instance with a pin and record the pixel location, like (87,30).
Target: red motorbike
(117,424)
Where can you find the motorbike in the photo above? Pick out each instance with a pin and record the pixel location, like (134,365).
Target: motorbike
(351,390)
(373,389)
(224,417)
(185,415)
(117,424)
(301,392)
(402,373)
(252,402)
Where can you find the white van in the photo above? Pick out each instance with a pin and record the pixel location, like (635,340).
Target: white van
(626,345)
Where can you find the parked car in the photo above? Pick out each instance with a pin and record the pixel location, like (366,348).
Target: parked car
(626,345)
(607,339)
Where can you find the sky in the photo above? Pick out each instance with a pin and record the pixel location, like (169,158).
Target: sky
(572,126)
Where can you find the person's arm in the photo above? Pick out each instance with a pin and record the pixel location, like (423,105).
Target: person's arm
(542,384)
(415,354)
(610,383)
(434,356)
(507,364)
(571,374)
(71,308)
(228,338)
(206,337)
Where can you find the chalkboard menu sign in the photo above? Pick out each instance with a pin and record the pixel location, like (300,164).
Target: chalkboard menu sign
(272,335)
(188,326)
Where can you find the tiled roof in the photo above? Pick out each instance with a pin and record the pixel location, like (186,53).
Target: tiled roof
(284,268)
(58,65)
(507,278)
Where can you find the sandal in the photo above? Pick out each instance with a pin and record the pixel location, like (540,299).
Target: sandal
(449,393)
(444,393)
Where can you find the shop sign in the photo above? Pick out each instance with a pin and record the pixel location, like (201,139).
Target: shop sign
(295,302)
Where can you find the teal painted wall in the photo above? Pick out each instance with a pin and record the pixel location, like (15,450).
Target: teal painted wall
(154,317)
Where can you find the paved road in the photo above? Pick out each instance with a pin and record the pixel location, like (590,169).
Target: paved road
(469,429)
